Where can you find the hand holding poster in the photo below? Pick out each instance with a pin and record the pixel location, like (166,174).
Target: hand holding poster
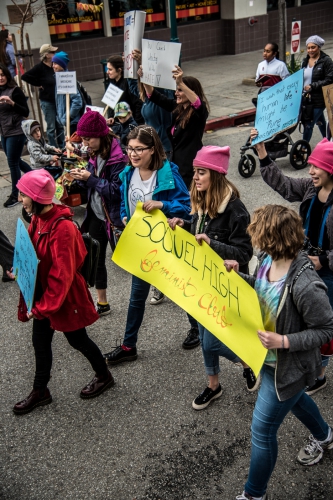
(194,277)
(112,96)
(134,25)
(278,107)
(25,264)
(66,82)
(158,61)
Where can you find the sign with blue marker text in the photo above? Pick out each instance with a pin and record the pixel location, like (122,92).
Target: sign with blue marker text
(278,107)
(134,25)
(158,61)
(25,264)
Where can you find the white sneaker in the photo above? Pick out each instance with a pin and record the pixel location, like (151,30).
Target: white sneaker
(246,496)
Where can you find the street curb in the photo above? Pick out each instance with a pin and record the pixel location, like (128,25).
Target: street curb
(231,120)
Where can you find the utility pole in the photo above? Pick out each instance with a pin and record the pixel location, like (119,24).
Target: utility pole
(283,29)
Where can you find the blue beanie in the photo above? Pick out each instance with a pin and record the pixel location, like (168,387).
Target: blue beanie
(62,59)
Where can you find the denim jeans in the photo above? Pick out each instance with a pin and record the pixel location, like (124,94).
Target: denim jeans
(13,147)
(318,116)
(327,276)
(212,348)
(139,293)
(268,415)
(55,131)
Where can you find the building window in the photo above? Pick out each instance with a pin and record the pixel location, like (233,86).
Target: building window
(155,13)
(198,10)
(74,19)
(274,4)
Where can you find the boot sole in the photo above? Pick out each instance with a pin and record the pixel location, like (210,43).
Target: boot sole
(191,346)
(116,362)
(156,302)
(110,384)
(41,403)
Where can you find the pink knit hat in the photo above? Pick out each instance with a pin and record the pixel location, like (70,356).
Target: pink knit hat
(322,156)
(92,124)
(213,158)
(39,185)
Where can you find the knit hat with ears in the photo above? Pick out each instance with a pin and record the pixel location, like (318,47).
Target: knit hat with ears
(213,158)
(39,185)
(322,156)
(92,124)
(62,59)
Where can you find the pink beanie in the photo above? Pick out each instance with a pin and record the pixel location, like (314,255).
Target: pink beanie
(39,185)
(92,124)
(322,156)
(213,158)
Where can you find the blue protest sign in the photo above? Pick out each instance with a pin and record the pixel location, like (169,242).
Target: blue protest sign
(278,107)
(25,264)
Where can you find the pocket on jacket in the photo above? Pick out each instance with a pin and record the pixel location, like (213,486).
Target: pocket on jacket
(221,235)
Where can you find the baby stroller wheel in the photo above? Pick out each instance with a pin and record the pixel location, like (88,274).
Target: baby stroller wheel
(299,154)
(246,165)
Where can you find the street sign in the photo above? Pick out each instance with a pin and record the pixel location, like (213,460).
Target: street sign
(295,37)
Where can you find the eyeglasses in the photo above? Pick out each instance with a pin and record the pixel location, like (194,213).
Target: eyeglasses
(137,151)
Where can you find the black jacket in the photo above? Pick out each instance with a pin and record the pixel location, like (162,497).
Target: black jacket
(134,102)
(227,232)
(322,74)
(187,141)
(41,75)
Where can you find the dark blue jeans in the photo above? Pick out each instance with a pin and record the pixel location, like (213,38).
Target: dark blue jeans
(268,415)
(139,293)
(55,131)
(327,276)
(318,117)
(13,147)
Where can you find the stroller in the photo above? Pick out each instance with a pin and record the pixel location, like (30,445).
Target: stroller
(277,147)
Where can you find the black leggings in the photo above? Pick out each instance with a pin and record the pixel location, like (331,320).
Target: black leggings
(97,230)
(42,335)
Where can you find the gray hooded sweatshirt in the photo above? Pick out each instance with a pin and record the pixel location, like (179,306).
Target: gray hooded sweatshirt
(41,154)
(306,318)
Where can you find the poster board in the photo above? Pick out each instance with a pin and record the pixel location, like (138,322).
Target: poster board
(158,61)
(112,96)
(66,82)
(134,26)
(328,96)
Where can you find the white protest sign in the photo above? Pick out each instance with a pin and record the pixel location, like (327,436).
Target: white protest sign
(94,108)
(158,61)
(66,82)
(112,96)
(295,37)
(134,25)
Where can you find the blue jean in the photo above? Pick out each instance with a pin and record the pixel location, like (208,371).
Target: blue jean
(139,293)
(318,116)
(13,147)
(55,131)
(268,415)
(327,276)
(212,348)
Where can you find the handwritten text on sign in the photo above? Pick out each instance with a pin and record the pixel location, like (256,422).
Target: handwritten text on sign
(25,264)
(194,277)
(134,25)
(112,96)
(66,82)
(278,107)
(158,61)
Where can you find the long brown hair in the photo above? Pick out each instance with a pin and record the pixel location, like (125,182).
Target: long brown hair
(10,80)
(117,62)
(210,200)
(4,59)
(105,146)
(184,114)
(148,136)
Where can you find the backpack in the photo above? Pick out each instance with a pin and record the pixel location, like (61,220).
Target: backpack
(86,99)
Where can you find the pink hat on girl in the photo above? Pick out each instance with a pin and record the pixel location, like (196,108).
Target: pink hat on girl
(213,158)
(39,185)
(322,156)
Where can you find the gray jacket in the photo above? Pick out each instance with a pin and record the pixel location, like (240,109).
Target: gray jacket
(306,318)
(41,154)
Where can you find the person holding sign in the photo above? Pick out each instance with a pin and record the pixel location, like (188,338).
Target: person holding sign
(316,197)
(189,114)
(153,180)
(298,319)
(220,219)
(62,300)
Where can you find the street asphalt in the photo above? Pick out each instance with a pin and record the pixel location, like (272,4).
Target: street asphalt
(141,439)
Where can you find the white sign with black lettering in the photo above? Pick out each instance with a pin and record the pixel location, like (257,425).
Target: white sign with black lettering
(158,61)
(112,95)
(66,82)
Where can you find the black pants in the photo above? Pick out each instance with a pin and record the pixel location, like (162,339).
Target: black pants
(97,230)
(42,335)
(6,253)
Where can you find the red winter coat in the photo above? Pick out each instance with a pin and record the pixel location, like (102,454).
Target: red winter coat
(66,300)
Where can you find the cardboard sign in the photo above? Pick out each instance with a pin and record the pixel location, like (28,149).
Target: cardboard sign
(194,277)
(112,96)
(278,107)
(25,264)
(295,44)
(66,82)
(158,61)
(134,26)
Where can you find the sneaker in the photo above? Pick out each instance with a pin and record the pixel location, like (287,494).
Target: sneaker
(246,496)
(206,397)
(103,309)
(192,339)
(320,384)
(157,297)
(313,452)
(11,201)
(119,355)
(252,382)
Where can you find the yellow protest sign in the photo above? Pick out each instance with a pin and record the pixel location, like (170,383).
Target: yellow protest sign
(194,277)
